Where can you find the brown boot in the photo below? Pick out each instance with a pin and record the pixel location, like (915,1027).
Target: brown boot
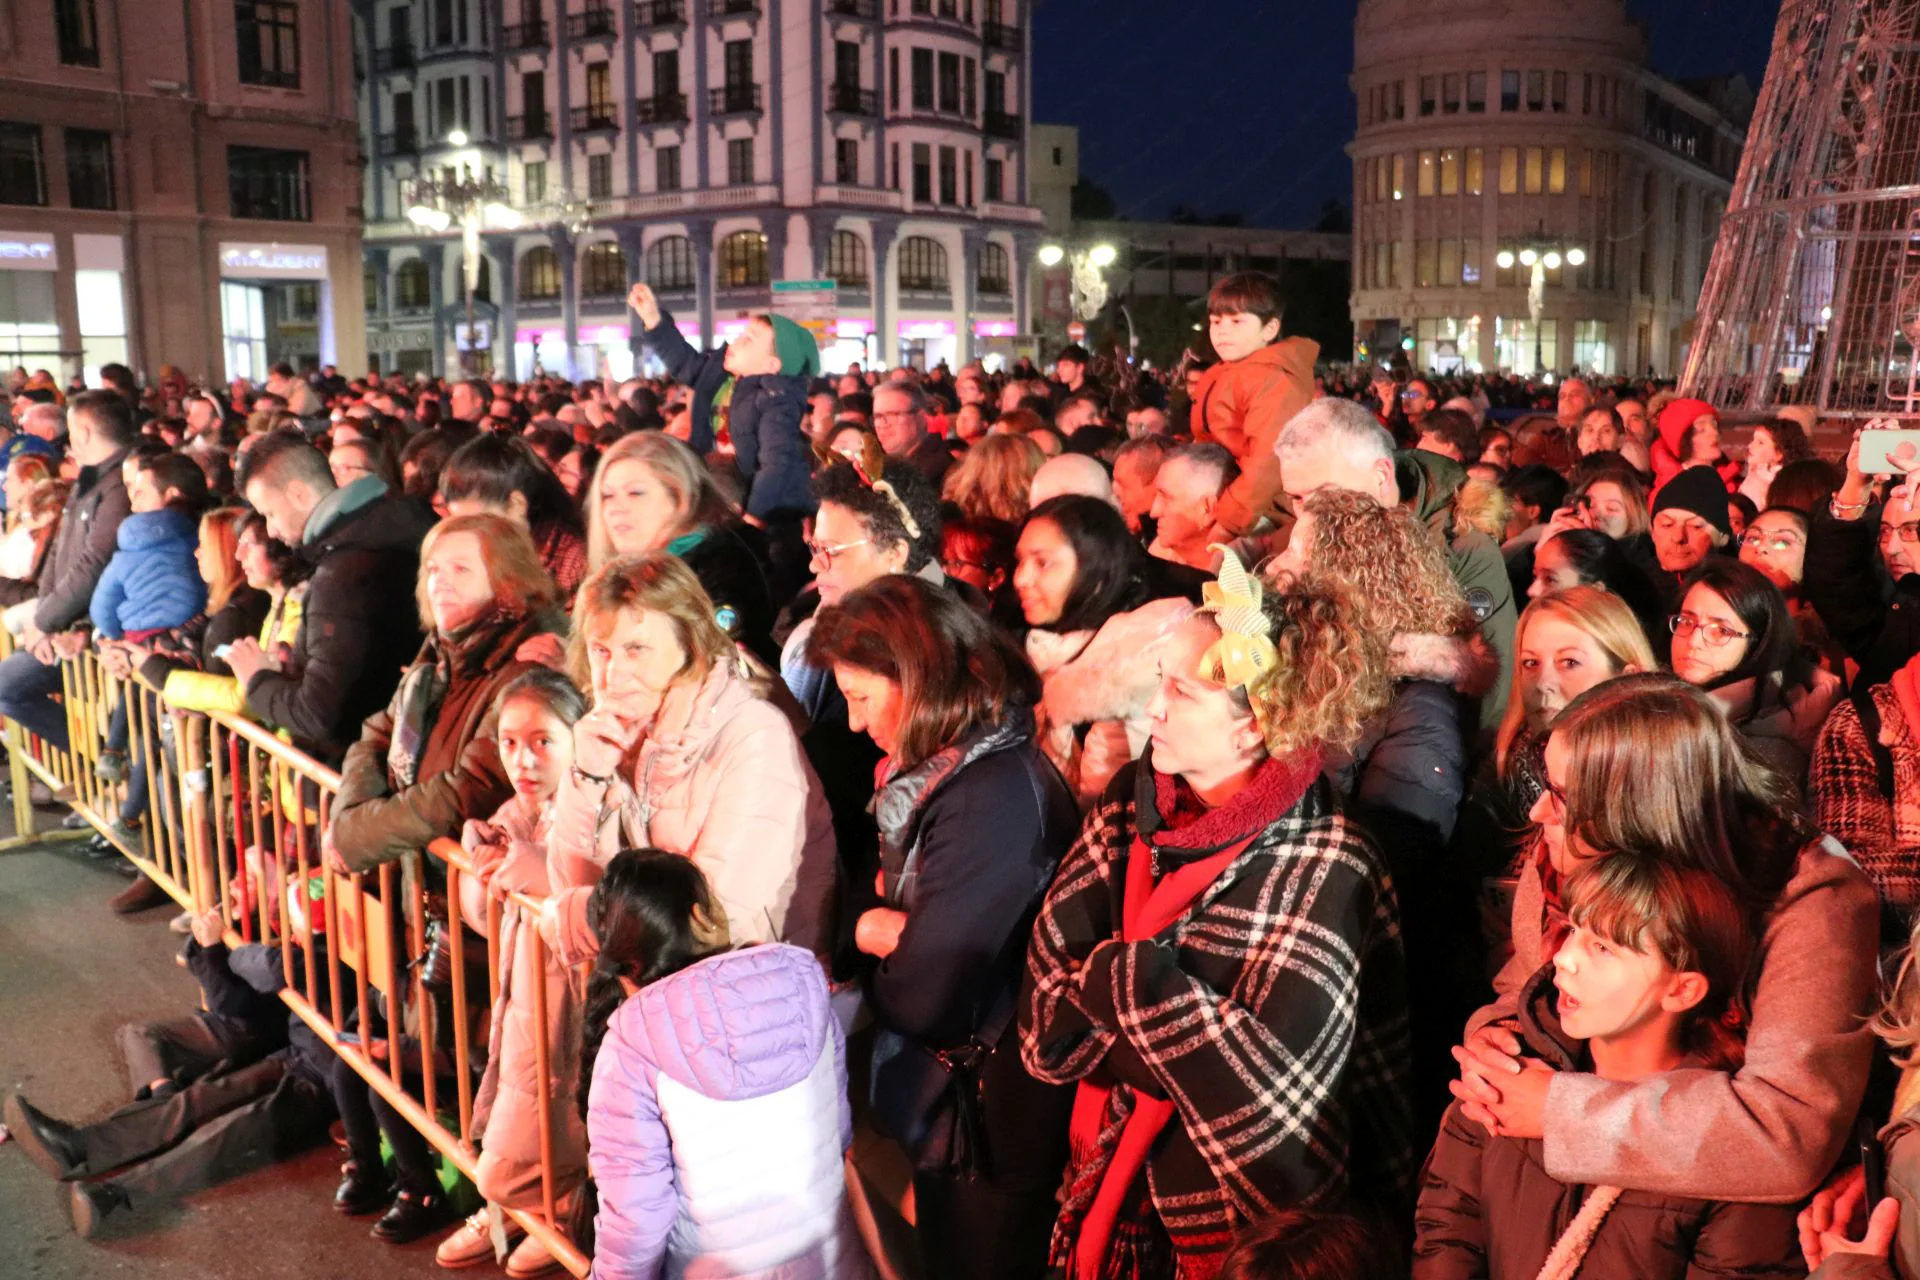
(142,895)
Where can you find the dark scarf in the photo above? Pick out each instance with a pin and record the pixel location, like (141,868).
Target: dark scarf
(899,799)
(424,686)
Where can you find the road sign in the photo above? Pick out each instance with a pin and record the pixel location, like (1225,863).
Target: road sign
(812,304)
(1076,332)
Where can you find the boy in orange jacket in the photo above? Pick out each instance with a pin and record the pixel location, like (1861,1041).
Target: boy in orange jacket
(1262,380)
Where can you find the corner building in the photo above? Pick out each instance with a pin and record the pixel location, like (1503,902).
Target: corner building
(709,148)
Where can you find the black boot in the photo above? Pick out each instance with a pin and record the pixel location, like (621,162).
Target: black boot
(54,1146)
(413,1215)
(362,1189)
(90,1201)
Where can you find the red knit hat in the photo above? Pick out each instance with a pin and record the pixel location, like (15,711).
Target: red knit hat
(1677,419)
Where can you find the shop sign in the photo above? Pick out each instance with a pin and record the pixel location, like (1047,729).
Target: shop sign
(280,261)
(27,251)
(814,305)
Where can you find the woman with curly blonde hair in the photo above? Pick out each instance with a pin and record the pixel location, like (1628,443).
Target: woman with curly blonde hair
(994,477)
(1272,921)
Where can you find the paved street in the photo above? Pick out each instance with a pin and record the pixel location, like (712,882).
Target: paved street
(70,974)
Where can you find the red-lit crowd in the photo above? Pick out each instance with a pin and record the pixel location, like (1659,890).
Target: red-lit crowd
(1258,821)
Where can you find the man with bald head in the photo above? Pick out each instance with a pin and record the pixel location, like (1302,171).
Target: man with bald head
(1070,473)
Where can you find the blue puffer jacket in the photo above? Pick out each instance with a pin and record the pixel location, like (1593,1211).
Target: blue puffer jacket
(767,418)
(152,582)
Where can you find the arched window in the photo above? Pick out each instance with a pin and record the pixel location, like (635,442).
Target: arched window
(743,261)
(411,288)
(995,275)
(539,275)
(371,290)
(670,265)
(923,264)
(847,260)
(603,271)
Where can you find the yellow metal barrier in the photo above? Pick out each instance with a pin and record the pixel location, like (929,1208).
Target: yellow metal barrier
(234,817)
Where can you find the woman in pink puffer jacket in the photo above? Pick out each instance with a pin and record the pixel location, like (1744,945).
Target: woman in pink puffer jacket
(716,1102)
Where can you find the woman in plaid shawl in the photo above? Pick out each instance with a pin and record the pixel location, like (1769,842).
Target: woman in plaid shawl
(1218,963)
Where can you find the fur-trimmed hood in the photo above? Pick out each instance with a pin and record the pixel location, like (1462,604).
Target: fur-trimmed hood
(1110,674)
(1466,663)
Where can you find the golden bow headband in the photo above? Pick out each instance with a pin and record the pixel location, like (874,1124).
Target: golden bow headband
(1244,656)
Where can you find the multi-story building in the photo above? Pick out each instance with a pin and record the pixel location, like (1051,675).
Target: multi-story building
(711,148)
(1494,133)
(179,184)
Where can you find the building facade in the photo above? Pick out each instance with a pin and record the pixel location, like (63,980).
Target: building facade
(179,184)
(1505,131)
(712,148)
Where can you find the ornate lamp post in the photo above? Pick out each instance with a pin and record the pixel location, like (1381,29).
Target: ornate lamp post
(477,203)
(1088,264)
(1542,254)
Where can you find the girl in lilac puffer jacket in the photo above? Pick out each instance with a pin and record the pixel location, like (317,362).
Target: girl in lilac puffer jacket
(715,1091)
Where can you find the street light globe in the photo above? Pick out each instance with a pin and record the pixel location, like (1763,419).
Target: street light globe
(1552,260)
(458,138)
(1051,254)
(1528,257)
(502,216)
(1576,256)
(1102,255)
(421,215)
(1504,258)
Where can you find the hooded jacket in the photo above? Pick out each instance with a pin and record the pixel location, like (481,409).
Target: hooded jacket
(88,536)
(153,581)
(352,642)
(719,1123)
(1428,483)
(1243,404)
(1785,727)
(766,417)
(1489,1208)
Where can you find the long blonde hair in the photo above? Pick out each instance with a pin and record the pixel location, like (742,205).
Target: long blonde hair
(1604,617)
(994,478)
(678,469)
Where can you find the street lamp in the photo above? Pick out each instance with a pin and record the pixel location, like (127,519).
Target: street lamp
(1089,264)
(1541,254)
(475,202)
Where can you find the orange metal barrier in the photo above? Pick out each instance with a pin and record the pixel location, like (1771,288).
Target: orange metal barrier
(234,818)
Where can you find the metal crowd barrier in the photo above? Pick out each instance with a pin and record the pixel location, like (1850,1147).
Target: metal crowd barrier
(234,818)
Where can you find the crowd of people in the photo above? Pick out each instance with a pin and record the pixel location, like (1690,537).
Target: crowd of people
(1244,822)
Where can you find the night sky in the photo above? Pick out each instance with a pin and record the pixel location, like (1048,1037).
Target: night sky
(1242,106)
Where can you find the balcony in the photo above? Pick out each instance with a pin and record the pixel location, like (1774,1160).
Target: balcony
(597,117)
(398,57)
(858,197)
(673,202)
(661,108)
(648,14)
(733,8)
(852,100)
(1001,124)
(533,128)
(733,100)
(869,10)
(401,142)
(531,34)
(1000,211)
(591,24)
(1002,36)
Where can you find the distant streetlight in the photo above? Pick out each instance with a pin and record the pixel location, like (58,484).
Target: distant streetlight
(1051,255)
(1542,254)
(476,203)
(1102,255)
(458,138)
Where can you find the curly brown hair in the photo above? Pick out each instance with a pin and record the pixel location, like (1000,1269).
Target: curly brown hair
(1333,673)
(994,477)
(1391,564)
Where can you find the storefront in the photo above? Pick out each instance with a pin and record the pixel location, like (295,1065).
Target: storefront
(63,303)
(276,305)
(926,343)
(29,314)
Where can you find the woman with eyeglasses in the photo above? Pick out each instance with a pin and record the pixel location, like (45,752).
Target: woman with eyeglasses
(1878,629)
(1734,638)
(1776,544)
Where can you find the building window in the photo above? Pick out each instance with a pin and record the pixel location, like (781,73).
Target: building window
(370,289)
(1536,90)
(996,179)
(603,271)
(743,261)
(1476,91)
(1536,169)
(846,161)
(670,265)
(1428,97)
(1423,268)
(1400,177)
(1476,165)
(1450,93)
(535,181)
(1557,171)
(411,288)
(23,178)
(77,32)
(923,79)
(922,173)
(923,265)
(1423,171)
(950,84)
(1509,90)
(269,35)
(539,275)
(1509,171)
(740,162)
(1590,350)
(847,260)
(1558,100)
(949,177)
(263,182)
(1450,172)
(893,79)
(893,166)
(666,169)
(90,169)
(599,176)
(996,275)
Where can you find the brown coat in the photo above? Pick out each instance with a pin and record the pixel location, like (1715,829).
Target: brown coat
(1243,404)
(1489,1208)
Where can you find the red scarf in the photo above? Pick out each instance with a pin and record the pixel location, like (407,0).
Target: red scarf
(1148,908)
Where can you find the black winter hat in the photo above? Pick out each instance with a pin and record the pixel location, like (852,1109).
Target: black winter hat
(1701,491)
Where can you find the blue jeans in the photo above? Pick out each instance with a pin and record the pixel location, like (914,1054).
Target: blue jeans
(27,689)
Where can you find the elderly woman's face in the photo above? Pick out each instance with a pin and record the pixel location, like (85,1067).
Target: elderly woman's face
(459,589)
(1198,730)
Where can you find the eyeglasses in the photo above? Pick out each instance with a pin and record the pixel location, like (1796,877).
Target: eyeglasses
(1909,532)
(1714,633)
(822,554)
(1780,543)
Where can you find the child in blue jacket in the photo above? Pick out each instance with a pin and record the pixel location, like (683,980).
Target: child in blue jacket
(153,583)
